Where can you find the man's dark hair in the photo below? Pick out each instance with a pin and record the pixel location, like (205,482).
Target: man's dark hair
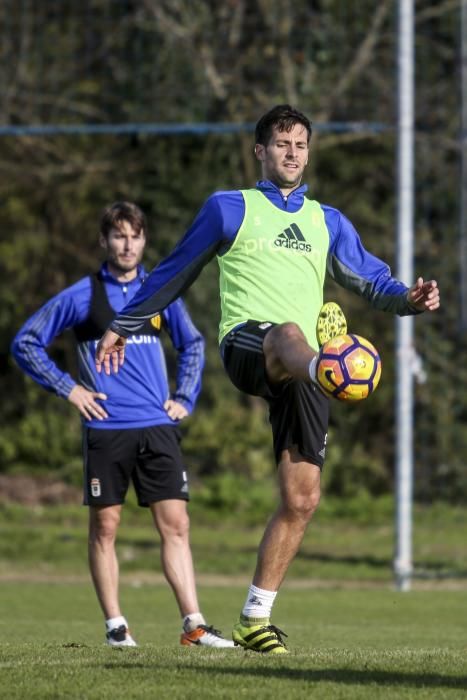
(284,117)
(116,213)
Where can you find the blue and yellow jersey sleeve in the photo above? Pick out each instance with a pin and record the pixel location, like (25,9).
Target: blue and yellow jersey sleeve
(29,348)
(189,344)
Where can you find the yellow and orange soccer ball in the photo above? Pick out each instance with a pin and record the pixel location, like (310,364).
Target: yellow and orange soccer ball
(348,368)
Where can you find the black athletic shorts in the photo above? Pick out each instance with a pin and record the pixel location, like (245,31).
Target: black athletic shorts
(298,411)
(150,457)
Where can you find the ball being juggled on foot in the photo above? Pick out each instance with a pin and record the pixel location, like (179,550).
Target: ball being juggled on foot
(348,367)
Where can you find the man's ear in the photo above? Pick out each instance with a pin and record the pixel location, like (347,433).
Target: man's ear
(259,151)
(102,241)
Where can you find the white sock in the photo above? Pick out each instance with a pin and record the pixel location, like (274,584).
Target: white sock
(258,603)
(192,621)
(114,622)
(312,369)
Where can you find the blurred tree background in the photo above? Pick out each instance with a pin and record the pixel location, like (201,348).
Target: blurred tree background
(180,62)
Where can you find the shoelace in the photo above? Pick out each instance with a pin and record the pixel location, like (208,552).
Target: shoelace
(210,630)
(279,633)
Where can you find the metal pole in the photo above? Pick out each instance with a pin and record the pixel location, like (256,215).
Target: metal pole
(463,193)
(404,326)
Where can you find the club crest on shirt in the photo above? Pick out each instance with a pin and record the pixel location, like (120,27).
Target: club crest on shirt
(156,322)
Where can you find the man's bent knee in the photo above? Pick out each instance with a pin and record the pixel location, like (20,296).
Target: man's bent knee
(278,345)
(284,333)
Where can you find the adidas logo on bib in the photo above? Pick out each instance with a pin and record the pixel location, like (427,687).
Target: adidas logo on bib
(293,239)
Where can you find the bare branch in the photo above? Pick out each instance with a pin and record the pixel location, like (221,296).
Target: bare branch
(434,12)
(362,57)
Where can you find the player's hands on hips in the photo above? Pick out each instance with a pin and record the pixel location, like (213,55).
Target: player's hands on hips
(85,402)
(424,296)
(110,352)
(175,410)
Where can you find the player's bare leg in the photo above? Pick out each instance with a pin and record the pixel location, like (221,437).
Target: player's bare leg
(103,564)
(287,353)
(172,521)
(299,483)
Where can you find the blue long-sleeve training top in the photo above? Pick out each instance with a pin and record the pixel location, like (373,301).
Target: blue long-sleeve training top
(214,230)
(136,394)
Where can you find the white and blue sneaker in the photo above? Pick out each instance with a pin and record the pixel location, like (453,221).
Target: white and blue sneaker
(120,637)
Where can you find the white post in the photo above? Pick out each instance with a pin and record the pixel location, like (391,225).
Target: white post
(463,192)
(404,326)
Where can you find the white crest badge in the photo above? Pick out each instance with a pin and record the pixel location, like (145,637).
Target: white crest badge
(96,487)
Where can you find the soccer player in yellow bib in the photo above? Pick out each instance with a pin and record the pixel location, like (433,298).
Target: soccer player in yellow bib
(274,247)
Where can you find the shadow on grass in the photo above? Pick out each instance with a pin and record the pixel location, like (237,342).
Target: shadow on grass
(428,570)
(338,675)
(353,559)
(369,560)
(347,676)
(434,570)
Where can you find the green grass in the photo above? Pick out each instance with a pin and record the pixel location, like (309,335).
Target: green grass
(350,635)
(355,545)
(343,644)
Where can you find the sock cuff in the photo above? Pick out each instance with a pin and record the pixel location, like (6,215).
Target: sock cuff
(262,592)
(192,621)
(253,621)
(114,622)
(258,605)
(312,367)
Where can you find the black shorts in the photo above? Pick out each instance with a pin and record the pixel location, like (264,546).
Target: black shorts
(298,411)
(150,457)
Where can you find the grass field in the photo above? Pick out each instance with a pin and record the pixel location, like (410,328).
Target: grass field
(355,548)
(350,635)
(343,644)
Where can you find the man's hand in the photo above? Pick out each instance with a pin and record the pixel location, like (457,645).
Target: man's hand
(85,402)
(110,351)
(424,296)
(175,410)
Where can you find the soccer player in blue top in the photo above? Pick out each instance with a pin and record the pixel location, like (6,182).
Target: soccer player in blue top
(130,420)
(274,247)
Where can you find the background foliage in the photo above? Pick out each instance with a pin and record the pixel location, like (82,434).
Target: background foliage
(110,62)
